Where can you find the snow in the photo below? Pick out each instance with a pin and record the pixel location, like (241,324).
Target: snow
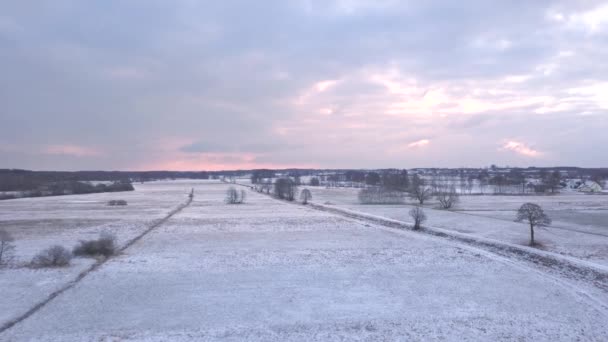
(38,223)
(579,227)
(272,271)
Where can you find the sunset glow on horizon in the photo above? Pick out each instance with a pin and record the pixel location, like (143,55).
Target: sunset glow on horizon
(367,84)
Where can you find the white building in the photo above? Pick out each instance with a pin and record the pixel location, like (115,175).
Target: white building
(590,186)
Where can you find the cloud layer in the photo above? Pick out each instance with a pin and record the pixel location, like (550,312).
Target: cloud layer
(235,84)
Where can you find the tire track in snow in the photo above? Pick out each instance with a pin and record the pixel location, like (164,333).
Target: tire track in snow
(92,268)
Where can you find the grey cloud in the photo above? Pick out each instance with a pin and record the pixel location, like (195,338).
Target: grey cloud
(120,75)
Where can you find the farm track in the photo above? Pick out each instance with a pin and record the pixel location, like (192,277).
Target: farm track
(93,267)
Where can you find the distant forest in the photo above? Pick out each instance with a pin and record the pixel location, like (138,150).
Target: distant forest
(25,183)
(25,180)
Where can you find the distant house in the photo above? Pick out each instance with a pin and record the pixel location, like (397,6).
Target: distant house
(574,183)
(590,186)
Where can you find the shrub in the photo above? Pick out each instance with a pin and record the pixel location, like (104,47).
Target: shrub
(117,202)
(447,198)
(54,256)
(105,245)
(378,195)
(233,196)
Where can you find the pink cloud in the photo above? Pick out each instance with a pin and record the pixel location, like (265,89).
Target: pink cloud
(419,143)
(214,162)
(521,148)
(71,150)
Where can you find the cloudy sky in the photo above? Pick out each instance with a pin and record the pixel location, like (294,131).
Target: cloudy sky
(190,85)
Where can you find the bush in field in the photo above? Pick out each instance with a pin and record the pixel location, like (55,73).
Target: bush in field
(447,198)
(305,196)
(117,202)
(418,215)
(55,256)
(7,247)
(534,215)
(233,196)
(105,245)
(377,195)
(285,188)
(314,181)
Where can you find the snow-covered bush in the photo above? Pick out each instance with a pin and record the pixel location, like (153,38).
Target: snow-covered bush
(105,245)
(117,202)
(55,256)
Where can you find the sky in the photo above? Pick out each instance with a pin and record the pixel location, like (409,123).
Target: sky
(211,85)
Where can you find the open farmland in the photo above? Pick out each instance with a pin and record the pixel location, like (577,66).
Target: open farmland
(267,270)
(579,228)
(37,223)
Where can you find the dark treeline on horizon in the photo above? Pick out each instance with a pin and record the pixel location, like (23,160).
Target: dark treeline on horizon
(18,180)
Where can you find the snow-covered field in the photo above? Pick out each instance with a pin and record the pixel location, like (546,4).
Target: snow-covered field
(579,228)
(38,223)
(271,271)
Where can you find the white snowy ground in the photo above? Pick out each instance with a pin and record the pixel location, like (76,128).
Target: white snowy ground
(272,271)
(38,223)
(579,228)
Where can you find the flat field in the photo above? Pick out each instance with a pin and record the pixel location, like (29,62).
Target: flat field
(579,228)
(271,271)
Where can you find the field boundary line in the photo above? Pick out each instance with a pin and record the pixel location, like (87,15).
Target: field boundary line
(155,224)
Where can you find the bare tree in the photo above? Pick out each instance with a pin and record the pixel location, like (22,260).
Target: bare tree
(285,188)
(418,190)
(266,186)
(483,179)
(470,184)
(234,196)
(534,215)
(418,215)
(518,178)
(7,247)
(447,197)
(305,196)
(552,181)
